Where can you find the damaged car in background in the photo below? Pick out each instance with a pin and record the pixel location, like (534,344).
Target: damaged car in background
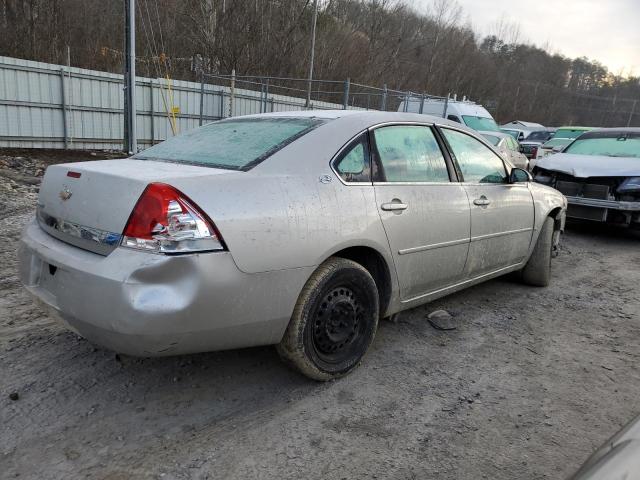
(300,229)
(599,173)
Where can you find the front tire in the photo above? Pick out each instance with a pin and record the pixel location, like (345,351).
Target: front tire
(537,271)
(334,321)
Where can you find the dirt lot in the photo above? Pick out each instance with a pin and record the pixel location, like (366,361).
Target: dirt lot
(530,382)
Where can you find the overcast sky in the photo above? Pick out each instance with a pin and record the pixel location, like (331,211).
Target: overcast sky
(603,30)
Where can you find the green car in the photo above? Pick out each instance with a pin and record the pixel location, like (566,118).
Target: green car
(563,137)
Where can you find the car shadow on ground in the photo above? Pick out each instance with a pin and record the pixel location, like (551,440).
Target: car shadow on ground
(601,230)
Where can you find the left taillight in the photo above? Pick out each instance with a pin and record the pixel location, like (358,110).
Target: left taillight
(164,220)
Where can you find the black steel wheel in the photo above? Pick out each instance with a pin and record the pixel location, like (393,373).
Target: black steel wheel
(334,321)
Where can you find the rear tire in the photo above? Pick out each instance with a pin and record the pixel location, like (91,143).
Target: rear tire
(334,321)
(537,271)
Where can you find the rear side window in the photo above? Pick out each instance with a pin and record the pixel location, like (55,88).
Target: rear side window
(478,163)
(410,153)
(353,164)
(237,144)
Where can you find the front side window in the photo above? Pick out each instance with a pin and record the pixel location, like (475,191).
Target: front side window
(477,162)
(353,163)
(237,144)
(410,153)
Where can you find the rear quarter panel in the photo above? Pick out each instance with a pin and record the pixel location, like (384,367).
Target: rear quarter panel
(277,222)
(281,215)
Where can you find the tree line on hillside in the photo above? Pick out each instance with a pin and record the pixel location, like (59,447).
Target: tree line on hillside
(372,42)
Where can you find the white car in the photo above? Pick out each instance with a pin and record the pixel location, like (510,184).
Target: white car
(508,147)
(300,229)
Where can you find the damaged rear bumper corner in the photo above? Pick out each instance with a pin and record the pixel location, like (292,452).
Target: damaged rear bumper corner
(144,304)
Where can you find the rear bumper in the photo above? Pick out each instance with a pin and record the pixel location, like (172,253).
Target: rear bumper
(147,305)
(598,210)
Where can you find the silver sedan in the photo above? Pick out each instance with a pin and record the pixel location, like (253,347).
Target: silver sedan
(299,229)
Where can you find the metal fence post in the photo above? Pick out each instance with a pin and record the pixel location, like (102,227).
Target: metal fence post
(345,101)
(221,102)
(446,105)
(65,126)
(383,101)
(422,103)
(266,94)
(153,127)
(232,92)
(201,99)
(261,96)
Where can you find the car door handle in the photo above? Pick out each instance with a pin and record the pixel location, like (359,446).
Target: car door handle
(394,206)
(482,201)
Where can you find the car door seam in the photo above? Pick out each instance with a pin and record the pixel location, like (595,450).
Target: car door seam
(433,246)
(500,234)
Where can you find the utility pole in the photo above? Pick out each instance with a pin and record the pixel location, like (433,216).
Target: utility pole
(131,141)
(313,52)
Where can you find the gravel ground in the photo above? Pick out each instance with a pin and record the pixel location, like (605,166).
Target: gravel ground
(527,386)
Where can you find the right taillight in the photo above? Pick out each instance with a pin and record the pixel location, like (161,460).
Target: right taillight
(534,152)
(165,220)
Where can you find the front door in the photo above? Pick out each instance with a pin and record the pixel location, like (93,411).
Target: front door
(502,214)
(425,215)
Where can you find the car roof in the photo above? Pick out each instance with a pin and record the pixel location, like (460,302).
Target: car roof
(522,123)
(610,132)
(616,130)
(575,128)
(363,117)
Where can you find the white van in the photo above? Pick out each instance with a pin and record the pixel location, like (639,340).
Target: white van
(469,113)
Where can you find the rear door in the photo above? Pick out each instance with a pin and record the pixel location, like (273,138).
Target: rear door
(502,214)
(425,214)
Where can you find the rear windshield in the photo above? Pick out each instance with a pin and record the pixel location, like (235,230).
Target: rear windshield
(481,123)
(540,136)
(237,144)
(607,145)
(492,139)
(557,142)
(568,133)
(514,133)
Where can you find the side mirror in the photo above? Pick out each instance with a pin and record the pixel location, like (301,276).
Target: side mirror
(557,149)
(519,175)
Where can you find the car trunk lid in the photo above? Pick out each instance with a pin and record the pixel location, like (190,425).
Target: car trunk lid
(87,204)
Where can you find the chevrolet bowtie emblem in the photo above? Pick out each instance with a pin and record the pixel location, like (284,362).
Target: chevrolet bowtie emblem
(65,194)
